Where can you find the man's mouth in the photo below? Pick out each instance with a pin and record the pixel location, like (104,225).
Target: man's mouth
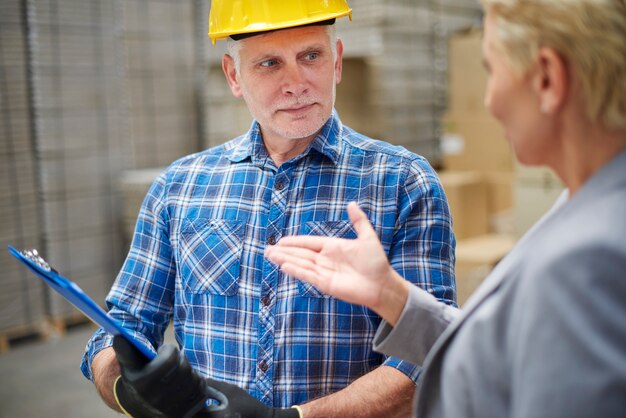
(300,108)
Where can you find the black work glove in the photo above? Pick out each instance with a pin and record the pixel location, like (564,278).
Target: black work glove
(166,386)
(240,404)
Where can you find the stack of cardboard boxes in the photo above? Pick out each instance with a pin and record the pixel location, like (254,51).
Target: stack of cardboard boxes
(493,200)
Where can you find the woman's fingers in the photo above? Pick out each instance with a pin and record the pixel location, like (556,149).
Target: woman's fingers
(312,243)
(360,222)
(297,255)
(358,218)
(305,273)
(302,263)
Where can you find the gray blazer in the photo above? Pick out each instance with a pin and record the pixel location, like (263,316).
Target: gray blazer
(545,334)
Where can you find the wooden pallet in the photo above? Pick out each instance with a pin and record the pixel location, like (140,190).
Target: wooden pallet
(62,323)
(19,334)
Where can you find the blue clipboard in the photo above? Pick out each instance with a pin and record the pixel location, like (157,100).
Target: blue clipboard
(75,295)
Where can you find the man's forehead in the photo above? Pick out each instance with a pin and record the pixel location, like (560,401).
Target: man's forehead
(286,40)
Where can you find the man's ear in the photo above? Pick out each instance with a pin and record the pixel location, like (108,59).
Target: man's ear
(339,61)
(230,71)
(552,80)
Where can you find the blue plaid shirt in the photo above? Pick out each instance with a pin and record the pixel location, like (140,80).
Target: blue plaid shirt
(197,258)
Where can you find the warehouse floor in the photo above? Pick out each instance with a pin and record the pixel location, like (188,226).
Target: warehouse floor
(43,379)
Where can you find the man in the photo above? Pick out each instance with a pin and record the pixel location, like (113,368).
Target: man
(197,254)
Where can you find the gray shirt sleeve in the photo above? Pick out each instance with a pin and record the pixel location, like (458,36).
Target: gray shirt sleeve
(422,321)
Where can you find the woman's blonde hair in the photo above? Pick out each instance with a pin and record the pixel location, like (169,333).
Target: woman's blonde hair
(589,34)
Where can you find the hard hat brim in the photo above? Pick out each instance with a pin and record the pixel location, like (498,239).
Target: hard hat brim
(264,28)
(239,36)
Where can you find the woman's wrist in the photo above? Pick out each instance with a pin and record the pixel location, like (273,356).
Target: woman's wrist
(393,298)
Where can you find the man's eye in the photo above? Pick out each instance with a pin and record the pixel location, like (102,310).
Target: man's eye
(311,56)
(269,63)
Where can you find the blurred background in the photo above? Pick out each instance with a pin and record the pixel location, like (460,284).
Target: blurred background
(97,96)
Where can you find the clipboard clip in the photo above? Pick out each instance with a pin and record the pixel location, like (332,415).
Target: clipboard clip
(33,256)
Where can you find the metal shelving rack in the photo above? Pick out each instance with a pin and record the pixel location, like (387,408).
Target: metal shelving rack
(88,89)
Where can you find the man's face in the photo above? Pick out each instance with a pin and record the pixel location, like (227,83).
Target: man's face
(288,79)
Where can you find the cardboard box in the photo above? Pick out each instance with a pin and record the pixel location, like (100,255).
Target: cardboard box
(532,201)
(476,143)
(537,175)
(475,258)
(134,185)
(467,77)
(473,139)
(500,187)
(500,190)
(467,197)
(535,192)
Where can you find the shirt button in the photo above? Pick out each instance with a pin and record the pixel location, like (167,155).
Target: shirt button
(263,366)
(265,301)
(280,185)
(271,240)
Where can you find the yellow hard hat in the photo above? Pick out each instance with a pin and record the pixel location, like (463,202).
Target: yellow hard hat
(238,17)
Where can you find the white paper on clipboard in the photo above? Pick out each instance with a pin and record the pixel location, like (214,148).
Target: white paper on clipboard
(75,295)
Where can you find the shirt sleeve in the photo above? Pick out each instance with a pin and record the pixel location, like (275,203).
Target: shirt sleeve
(423,245)
(421,322)
(141,297)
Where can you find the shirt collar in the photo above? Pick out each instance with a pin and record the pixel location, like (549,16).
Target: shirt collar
(250,145)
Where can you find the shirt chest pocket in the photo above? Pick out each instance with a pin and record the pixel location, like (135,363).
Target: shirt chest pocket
(338,229)
(209,255)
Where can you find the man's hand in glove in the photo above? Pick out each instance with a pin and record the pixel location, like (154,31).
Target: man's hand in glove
(166,386)
(240,404)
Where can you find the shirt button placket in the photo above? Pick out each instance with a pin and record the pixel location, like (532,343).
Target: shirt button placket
(263,366)
(269,283)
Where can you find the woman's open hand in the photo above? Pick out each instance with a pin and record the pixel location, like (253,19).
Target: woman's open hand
(356,271)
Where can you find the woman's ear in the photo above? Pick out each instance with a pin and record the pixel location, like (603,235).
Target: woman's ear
(552,80)
(232,77)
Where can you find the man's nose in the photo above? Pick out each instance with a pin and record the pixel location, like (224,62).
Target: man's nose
(294,80)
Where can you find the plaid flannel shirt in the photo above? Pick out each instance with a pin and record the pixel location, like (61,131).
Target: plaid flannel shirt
(197,259)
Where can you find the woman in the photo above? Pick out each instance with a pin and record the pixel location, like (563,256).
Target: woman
(545,334)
